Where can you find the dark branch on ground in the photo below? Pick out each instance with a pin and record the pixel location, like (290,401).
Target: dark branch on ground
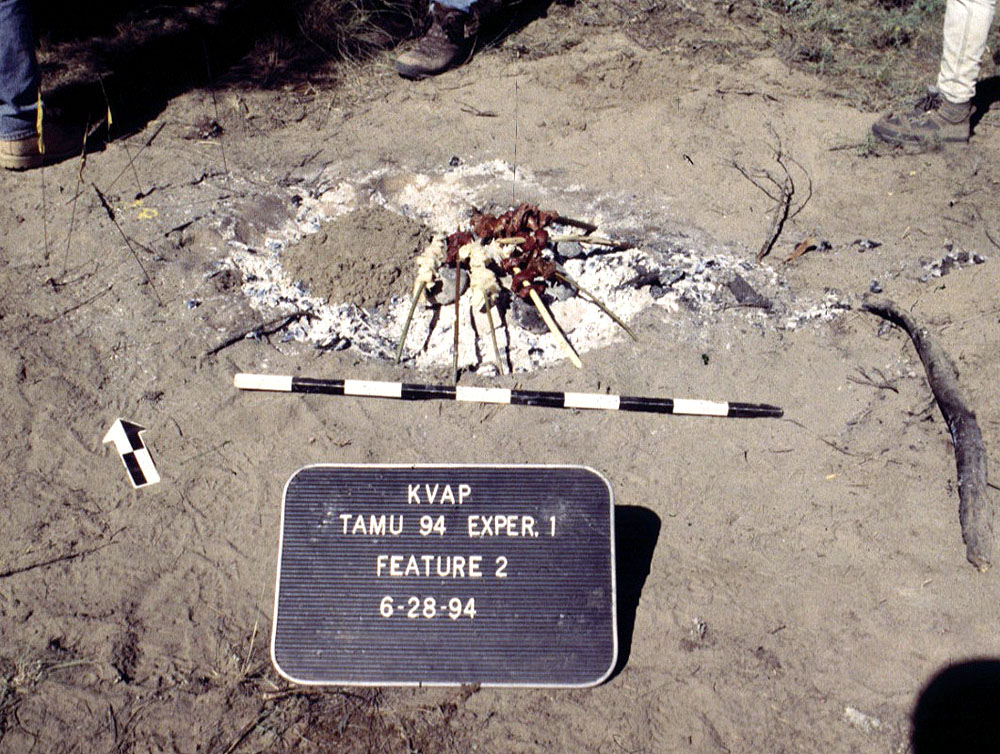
(975,509)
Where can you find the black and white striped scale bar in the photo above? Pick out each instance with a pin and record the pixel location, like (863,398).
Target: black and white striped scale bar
(410,392)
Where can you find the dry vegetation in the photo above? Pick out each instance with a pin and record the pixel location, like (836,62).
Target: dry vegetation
(871,53)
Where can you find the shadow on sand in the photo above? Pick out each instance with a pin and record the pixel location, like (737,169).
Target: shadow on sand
(636,532)
(959,710)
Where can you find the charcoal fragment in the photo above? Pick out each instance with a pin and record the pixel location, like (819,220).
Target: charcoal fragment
(746,295)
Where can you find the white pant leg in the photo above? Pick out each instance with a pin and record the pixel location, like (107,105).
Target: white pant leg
(966,28)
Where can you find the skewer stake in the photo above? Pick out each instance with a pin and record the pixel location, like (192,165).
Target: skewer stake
(551,324)
(594,240)
(493,332)
(458,295)
(597,302)
(409,316)
(584,226)
(544,399)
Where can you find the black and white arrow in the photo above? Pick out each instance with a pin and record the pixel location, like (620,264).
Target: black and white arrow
(138,462)
(411,392)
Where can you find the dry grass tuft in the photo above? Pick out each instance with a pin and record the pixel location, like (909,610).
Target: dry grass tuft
(353,29)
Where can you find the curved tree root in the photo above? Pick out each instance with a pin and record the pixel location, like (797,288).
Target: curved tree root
(975,508)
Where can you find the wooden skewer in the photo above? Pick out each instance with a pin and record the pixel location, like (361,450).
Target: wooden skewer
(493,332)
(584,226)
(551,324)
(458,295)
(596,241)
(597,302)
(406,326)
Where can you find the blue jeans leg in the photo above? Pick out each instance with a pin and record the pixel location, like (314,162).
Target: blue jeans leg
(462,5)
(18,71)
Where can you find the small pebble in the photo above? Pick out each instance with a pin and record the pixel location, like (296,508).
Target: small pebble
(526,316)
(571,249)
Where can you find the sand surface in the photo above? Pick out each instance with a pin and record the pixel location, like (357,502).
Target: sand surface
(794,583)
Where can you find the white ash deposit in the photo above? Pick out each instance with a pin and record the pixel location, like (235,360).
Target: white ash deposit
(659,271)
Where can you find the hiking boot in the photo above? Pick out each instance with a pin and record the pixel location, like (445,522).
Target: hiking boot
(933,121)
(448,42)
(60,143)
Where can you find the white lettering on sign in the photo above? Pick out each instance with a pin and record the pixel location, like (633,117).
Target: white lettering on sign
(427,566)
(426,494)
(501,525)
(430,608)
(430,525)
(373,526)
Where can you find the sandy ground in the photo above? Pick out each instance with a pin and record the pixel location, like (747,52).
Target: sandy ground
(795,583)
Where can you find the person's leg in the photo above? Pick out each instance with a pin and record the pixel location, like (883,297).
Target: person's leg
(18,71)
(461,5)
(21,146)
(966,28)
(945,114)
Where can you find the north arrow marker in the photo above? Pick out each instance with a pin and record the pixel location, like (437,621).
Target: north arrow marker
(138,462)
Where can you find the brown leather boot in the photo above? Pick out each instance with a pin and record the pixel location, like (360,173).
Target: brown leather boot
(448,42)
(60,143)
(933,121)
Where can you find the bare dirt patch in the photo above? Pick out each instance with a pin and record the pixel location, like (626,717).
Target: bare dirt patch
(364,257)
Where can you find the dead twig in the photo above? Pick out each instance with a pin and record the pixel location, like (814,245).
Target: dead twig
(782,192)
(128,242)
(992,240)
(262,330)
(883,382)
(128,152)
(76,193)
(467,108)
(246,731)
(748,93)
(273,696)
(780,215)
(975,508)
(80,305)
(215,106)
(826,441)
(52,561)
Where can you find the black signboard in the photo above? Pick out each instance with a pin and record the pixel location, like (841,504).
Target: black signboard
(407,575)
